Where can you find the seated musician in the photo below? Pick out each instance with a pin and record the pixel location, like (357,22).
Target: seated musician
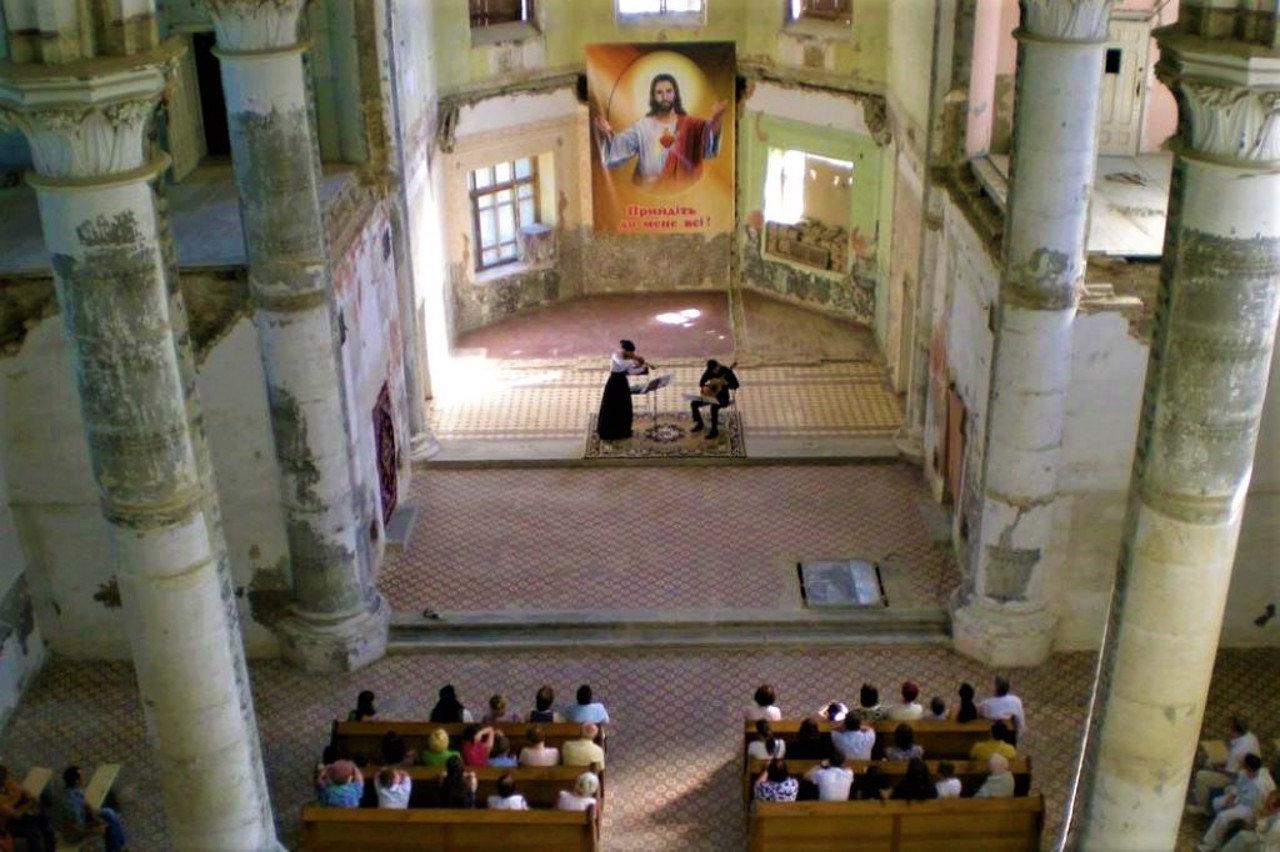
(716,382)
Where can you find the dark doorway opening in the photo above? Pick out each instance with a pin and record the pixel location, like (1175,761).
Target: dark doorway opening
(213,105)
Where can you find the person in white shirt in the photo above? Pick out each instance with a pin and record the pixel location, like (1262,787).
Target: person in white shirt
(393,787)
(1004,705)
(537,752)
(583,795)
(948,784)
(910,710)
(507,799)
(764,708)
(766,746)
(999,783)
(832,779)
(1216,776)
(855,739)
(1240,803)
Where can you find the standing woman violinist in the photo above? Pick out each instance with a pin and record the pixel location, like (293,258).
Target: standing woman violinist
(614,422)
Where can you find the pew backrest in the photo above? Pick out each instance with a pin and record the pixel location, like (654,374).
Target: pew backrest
(970,772)
(540,785)
(940,740)
(956,825)
(374,830)
(364,739)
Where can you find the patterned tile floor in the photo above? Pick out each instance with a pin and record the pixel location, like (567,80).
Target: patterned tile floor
(673,762)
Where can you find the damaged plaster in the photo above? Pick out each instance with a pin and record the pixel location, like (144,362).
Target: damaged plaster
(24,304)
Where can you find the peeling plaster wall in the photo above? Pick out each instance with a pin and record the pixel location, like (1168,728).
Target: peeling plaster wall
(54,502)
(22,649)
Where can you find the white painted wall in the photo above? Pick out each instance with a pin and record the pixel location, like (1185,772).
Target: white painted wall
(22,650)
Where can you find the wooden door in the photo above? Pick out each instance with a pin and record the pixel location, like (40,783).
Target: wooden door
(1124,81)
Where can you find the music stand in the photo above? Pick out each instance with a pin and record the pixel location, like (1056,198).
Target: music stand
(655,384)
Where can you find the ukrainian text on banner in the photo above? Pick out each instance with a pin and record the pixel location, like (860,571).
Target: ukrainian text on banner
(662,137)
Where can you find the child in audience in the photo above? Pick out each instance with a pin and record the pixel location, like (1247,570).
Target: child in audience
(537,752)
(501,754)
(498,711)
(966,710)
(393,787)
(766,746)
(948,784)
(937,710)
(507,799)
(437,752)
(339,785)
(543,702)
(766,705)
(583,795)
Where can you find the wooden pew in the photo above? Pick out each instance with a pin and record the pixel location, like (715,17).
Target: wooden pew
(956,825)
(940,740)
(540,785)
(970,772)
(374,830)
(364,739)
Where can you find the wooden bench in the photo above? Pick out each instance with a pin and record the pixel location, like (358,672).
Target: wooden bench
(956,825)
(940,740)
(540,785)
(347,829)
(37,778)
(364,739)
(970,772)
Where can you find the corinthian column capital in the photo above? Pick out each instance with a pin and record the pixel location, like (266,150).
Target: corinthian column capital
(251,26)
(1232,122)
(1067,20)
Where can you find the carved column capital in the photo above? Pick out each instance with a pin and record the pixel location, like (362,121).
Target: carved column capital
(1067,20)
(1231,122)
(253,26)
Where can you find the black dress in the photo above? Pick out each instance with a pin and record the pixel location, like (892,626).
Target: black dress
(614,421)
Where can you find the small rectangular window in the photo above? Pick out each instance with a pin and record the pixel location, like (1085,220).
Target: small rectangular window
(504,199)
(677,12)
(490,13)
(1113,60)
(835,11)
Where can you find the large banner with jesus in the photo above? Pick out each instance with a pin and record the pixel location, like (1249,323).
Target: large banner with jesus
(662,137)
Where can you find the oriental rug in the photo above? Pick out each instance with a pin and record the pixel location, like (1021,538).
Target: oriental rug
(670,436)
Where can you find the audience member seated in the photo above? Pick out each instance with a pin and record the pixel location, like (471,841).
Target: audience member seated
(966,710)
(507,799)
(832,711)
(997,743)
(811,742)
(583,751)
(85,821)
(766,706)
(501,754)
(583,795)
(937,710)
(775,784)
(542,710)
(869,706)
(437,752)
(476,744)
(1240,803)
(873,784)
(856,738)
(21,817)
(1218,775)
(1265,834)
(339,785)
(917,785)
(393,750)
(393,787)
(831,778)
(948,784)
(537,752)
(498,711)
(457,785)
(999,781)
(587,709)
(766,746)
(910,710)
(448,708)
(365,708)
(904,744)
(1007,706)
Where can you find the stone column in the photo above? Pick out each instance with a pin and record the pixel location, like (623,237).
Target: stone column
(339,621)
(1002,616)
(1210,357)
(98,185)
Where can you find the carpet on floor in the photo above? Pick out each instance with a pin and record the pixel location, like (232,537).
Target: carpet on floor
(669,436)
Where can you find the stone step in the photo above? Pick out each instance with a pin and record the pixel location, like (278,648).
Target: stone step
(503,630)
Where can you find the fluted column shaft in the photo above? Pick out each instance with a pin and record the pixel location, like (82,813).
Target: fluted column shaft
(1211,354)
(101,212)
(340,621)
(1005,619)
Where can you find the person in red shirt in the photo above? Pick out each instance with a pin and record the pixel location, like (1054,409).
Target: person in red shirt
(477,742)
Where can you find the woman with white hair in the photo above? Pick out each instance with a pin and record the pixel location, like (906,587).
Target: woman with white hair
(582,796)
(999,783)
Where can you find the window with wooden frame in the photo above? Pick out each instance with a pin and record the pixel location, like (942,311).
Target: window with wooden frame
(504,199)
(834,11)
(490,13)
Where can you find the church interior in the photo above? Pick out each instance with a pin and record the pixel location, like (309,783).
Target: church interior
(306,308)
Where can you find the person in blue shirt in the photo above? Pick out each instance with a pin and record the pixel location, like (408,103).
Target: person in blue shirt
(587,709)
